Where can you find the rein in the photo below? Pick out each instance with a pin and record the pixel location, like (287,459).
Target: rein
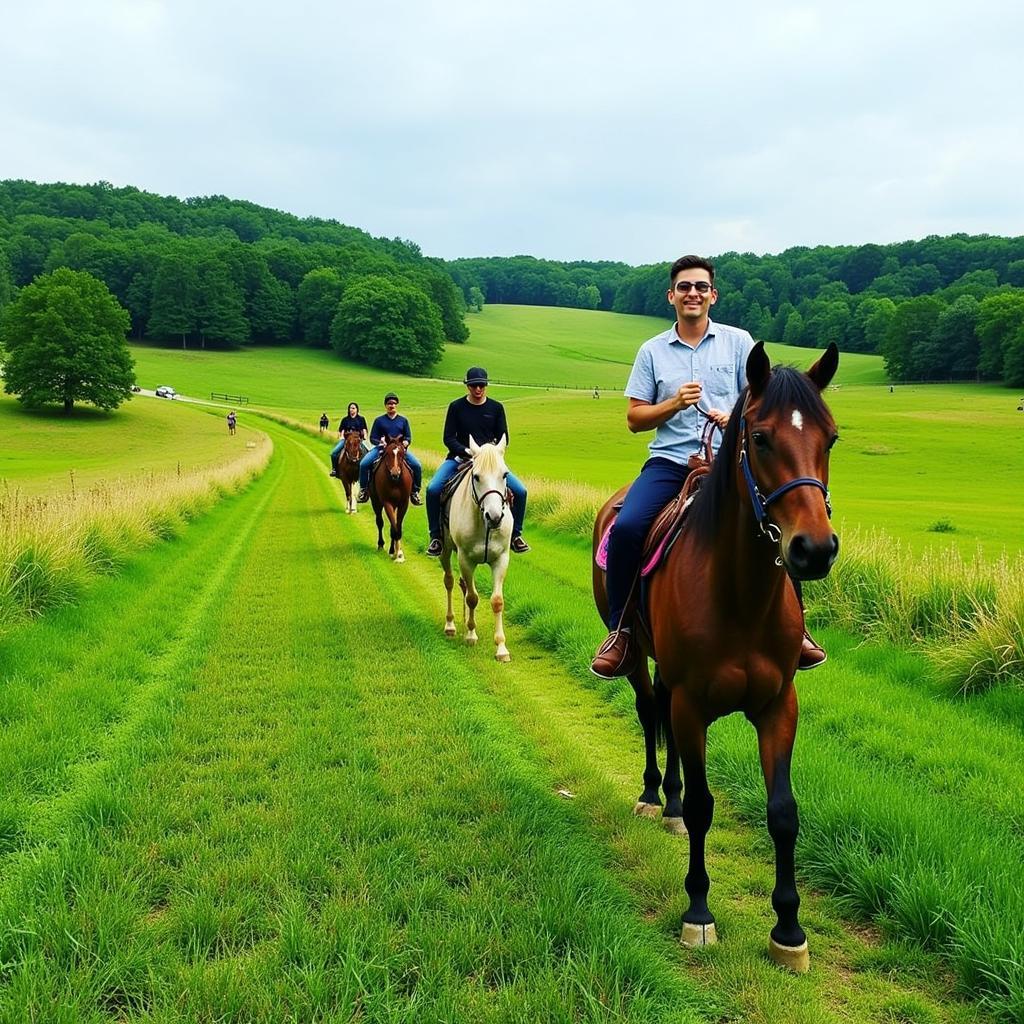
(759,502)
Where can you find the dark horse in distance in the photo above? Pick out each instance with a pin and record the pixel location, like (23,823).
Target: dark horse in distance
(390,489)
(723,622)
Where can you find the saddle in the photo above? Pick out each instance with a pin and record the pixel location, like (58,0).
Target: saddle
(669,522)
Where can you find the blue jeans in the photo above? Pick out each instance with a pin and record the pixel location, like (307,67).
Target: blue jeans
(371,456)
(444,473)
(658,483)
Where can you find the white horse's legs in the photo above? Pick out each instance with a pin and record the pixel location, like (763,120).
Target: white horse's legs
(467,569)
(498,607)
(449,582)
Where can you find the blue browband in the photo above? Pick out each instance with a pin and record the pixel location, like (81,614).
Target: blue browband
(761,503)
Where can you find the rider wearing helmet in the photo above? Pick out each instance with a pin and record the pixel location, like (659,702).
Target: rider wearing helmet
(384,426)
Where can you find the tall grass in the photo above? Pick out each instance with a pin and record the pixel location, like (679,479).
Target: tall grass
(965,614)
(50,547)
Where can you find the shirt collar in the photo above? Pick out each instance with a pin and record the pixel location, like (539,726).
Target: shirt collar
(673,335)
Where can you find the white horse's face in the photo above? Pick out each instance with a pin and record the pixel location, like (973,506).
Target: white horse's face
(490,480)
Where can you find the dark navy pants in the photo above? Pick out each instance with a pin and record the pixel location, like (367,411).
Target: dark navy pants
(658,483)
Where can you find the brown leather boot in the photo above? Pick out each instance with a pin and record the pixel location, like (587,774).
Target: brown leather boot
(812,654)
(617,656)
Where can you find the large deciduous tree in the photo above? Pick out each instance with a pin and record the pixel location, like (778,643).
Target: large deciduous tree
(388,323)
(64,337)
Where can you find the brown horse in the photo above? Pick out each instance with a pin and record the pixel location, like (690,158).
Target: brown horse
(724,624)
(390,489)
(348,468)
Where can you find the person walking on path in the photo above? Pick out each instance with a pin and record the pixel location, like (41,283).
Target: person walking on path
(482,418)
(389,424)
(232,422)
(695,367)
(324,423)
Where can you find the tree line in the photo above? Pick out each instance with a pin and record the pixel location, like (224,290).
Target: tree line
(949,307)
(219,272)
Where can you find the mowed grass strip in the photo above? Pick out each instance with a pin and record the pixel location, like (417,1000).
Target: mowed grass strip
(909,803)
(314,820)
(76,680)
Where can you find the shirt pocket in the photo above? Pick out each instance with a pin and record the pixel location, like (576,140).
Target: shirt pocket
(719,387)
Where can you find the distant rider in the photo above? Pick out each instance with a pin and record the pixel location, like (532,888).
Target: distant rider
(389,424)
(482,418)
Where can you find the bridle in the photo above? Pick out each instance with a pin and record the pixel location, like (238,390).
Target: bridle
(398,448)
(344,452)
(479,499)
(760,503)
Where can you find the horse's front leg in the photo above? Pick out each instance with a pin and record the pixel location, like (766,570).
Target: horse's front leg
(380,527)
(472,598)
(449,582)
(690,731)
(395,518)
(498,571)
(648,803)
(776,732)
(672,785)
(348,496)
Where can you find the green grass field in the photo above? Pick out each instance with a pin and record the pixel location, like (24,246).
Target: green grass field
(247,779)
(254,814)
(47,452)
(933,466)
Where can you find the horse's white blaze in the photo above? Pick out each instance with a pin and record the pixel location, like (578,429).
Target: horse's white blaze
(798,420)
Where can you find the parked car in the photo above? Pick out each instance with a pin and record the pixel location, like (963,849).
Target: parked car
(165,392)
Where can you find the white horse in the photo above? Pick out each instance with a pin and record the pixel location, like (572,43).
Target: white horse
(480,530)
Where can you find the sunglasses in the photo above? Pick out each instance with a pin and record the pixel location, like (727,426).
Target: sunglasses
(701,287)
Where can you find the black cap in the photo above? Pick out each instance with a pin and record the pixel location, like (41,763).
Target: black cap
(476,375)
(389,396)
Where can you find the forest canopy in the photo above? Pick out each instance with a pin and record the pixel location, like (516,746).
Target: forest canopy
(210,271)
(214,271)
(936,309)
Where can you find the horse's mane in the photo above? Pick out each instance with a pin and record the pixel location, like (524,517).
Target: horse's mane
(787,387)
(488,459)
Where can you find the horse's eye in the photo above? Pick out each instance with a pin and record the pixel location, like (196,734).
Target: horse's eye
(476,478)
(760,438)
(831,443)
(504,475)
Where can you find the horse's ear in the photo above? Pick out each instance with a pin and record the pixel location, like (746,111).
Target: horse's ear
(759,368)
(502,444)
(473,446)
(825,368)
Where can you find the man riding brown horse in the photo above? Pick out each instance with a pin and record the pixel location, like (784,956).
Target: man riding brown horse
(690,373)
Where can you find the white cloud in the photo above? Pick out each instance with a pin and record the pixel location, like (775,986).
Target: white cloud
(566,130)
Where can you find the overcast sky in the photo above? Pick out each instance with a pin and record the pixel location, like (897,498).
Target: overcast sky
(565,130)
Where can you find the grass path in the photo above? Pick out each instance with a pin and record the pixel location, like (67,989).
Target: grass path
(301,803)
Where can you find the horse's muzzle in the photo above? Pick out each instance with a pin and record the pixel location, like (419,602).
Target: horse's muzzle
(807,559)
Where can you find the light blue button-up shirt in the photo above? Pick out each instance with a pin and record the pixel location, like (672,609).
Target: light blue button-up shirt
(665,363)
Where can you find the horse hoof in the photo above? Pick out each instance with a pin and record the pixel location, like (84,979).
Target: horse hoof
(449,631)
(694,935)
(503,657)
(794,958)
(471,641)
(642,810)
(674,825)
